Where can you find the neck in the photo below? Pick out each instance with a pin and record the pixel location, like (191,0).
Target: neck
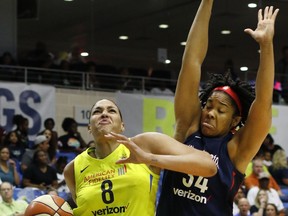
(3,163)
(8,200)
(104,147)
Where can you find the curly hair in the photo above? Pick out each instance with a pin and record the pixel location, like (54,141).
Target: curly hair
(244,91)
(67,122)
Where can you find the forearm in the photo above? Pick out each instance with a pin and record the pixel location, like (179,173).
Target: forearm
(197,41)
(199,165)
(265,75)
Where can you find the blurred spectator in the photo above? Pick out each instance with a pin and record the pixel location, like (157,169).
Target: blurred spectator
(244,207)
(8,168)
(39,174)
(16,148)
(7,59)
(279,168)
(60,165)
(267,159)
(9,206)
(240,194)
(48,134)
(40,143)
(271,210)
(261,201)
(273,196)
(72,140)
(38,56)
(52,137)
(253,179)
(22,127)
(269,145)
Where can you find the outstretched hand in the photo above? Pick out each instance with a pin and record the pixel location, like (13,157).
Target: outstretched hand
(265,27)
(137,155)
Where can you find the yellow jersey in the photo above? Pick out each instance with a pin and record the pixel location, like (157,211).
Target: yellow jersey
(106,188)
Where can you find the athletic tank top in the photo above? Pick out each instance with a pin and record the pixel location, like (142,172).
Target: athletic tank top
(106,188)
(184,194)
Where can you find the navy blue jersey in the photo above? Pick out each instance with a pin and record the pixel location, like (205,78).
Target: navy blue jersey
(184,194)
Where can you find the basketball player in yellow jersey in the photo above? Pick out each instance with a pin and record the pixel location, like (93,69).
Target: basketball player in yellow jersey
(101,180)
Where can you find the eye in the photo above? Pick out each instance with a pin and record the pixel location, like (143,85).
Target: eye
(112,111)
(97,111)
(221,111)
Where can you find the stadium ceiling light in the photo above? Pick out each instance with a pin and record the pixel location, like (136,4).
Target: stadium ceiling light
(252,5)
(123,37)
(163,26)
(243,68)
(225,32)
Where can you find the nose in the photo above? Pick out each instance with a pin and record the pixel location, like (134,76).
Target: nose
(211,113)
(104,113)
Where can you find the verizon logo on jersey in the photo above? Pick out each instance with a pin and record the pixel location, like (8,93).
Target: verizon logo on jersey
(110,210)
(189,195)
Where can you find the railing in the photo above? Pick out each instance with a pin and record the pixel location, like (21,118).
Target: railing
(82,80)
(104,81)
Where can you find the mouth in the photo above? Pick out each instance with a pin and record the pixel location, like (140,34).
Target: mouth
(207,125)
(104,121)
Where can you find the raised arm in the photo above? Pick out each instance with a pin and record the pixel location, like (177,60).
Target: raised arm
(251,136)
(159,150)
(187,104)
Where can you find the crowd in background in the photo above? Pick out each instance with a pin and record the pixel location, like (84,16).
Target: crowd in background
(39,164)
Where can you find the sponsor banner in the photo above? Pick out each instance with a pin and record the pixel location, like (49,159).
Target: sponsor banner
(35,102)
(143,113)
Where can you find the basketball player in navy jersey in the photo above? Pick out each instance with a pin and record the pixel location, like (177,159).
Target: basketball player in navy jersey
(227,120)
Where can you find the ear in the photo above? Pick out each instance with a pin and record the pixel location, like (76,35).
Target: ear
(89,128)
(236,120)
(122,127)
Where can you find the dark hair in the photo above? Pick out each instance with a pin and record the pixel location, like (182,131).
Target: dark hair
(274,206)
(67,122)
(270,139)
(6,140)
(49,119)
(18,119)
(35,156)
(244,91)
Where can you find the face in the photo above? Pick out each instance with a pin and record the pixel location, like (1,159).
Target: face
(267,156)
(105,118)
(270,210)
(13,138)
(73,128)
(44,146)
(262,195)
(49,125)
(4,154)
(240,194)
(25,125)
(6,191)
(243,206)
(48,134)
(42,157)
(257,167)
(217,117)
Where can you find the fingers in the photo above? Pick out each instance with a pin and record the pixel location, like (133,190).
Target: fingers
(268,13)
(274,15)
(260,17)
(248,31)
